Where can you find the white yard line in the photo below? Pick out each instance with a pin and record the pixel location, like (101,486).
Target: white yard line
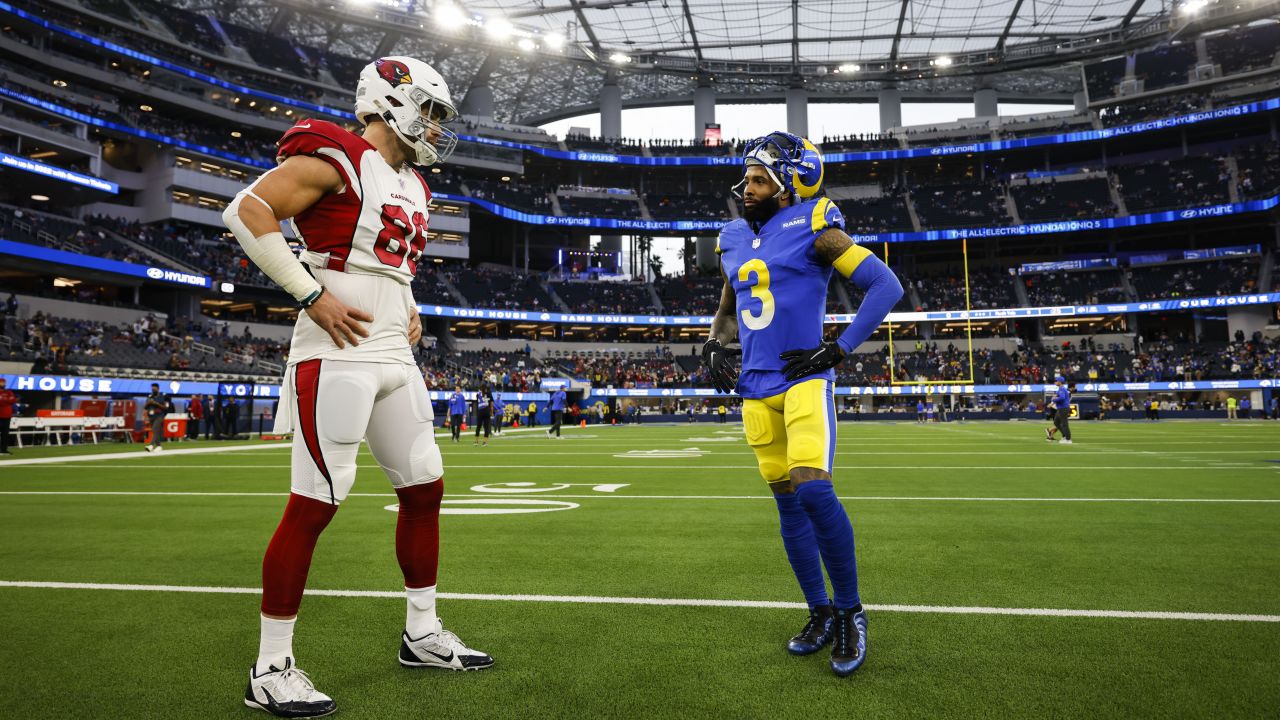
(668,602)
(656,466)
(603,496)
(140,454)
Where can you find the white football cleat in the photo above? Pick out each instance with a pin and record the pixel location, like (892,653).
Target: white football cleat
(441,649)
(1064,442)
(287,693)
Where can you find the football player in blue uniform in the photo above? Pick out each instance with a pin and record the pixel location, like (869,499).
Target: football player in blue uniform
(777,262)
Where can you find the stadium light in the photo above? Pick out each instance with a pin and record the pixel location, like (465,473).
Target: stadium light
(943,61)
(554,41)
(849,68)
(40,198)
(1194,6)
(620,58)
(526,44)
(499,28)
(449,16)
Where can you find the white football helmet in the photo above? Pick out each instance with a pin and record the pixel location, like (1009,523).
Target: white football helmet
(413,99)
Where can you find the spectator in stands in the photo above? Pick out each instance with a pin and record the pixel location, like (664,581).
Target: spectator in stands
(11,306)
(7,400)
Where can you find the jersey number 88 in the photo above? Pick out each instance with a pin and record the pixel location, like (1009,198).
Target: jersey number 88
(390,246)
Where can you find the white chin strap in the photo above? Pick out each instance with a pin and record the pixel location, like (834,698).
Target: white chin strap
(737,189)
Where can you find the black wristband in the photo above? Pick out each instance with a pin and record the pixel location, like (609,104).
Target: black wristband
(311,299)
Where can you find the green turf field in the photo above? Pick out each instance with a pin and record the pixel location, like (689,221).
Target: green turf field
(955,523)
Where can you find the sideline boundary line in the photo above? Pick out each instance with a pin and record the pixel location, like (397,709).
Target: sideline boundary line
(668,602)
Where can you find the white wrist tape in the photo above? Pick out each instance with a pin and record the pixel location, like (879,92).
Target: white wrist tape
(270,253)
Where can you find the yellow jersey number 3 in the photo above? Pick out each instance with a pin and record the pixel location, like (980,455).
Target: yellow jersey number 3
(760,291)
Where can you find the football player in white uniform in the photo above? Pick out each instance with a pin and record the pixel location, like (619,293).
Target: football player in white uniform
(360,209)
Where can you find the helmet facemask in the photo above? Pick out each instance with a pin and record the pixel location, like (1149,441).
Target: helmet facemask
(416,128)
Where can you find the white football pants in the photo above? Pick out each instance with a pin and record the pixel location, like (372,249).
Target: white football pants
(331,405)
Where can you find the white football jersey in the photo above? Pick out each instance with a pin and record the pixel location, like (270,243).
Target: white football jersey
(363,242)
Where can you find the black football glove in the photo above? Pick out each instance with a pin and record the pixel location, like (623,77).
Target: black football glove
(800,363)
(716,358)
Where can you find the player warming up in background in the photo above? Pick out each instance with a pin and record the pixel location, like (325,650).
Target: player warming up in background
(777,263)
(360,208)
(1061,404)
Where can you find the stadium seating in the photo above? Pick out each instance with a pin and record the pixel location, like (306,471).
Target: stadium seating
(1073,288)
(680,206)
(1232,276)
(511,371)
(599,207)
(1075,199)
(624,369)
(490,288)
(946,291)
(518,195)
(1259,172)
(60,345)
(954,205)
(1172,184)
(865,216)
(606,297)
(692,294)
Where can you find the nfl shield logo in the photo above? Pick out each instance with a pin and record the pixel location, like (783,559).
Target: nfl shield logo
(755,244)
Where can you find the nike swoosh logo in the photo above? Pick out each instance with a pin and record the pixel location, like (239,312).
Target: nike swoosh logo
(441,658)
(306,124)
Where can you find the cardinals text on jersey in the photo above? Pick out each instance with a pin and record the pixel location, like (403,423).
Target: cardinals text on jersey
(377,223)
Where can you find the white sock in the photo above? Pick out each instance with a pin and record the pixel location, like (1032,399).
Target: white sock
(421,616)
(274,644)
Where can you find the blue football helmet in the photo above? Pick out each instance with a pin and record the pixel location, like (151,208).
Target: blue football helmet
(791,161)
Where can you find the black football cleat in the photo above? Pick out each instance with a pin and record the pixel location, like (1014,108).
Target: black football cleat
(849,650)
(816,633)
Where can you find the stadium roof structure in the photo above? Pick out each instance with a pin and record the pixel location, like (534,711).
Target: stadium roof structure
(545,59)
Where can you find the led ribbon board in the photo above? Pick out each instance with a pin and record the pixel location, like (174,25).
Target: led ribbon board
(89,262)
(57,173)
(181,388)
(1226,301)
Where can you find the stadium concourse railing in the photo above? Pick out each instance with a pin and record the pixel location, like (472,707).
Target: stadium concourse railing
(667,161)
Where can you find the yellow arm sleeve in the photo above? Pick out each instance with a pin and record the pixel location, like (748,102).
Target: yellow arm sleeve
(850,259)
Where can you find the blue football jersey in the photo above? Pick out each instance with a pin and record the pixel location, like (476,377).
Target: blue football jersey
(781,287)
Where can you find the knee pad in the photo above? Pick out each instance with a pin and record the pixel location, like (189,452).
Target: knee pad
(424,463)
